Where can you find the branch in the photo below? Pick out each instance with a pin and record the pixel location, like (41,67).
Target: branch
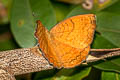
(100,54)
(21,61)
(4,75)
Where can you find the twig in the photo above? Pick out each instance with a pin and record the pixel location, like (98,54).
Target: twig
(4,75)
(21,61)
(100,54)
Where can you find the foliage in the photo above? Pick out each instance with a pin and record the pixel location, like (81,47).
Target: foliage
(17,31)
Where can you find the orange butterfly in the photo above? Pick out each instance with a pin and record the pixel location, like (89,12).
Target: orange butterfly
(68,43)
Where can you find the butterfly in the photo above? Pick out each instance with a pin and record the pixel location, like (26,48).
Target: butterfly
(67,44)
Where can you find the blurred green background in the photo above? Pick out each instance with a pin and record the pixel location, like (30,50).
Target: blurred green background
(18,23)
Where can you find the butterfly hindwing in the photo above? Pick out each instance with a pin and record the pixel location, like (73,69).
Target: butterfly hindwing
(70,56)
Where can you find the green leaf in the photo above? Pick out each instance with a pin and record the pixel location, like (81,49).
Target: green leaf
(80,74)
(109,65)
(22,23)
(108,26)
(77,11)
(61,10)
(114,8)
(72,74)
(23,19)
(100,42)
(45,75)
(110,76)
(109,29)
(43,11)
